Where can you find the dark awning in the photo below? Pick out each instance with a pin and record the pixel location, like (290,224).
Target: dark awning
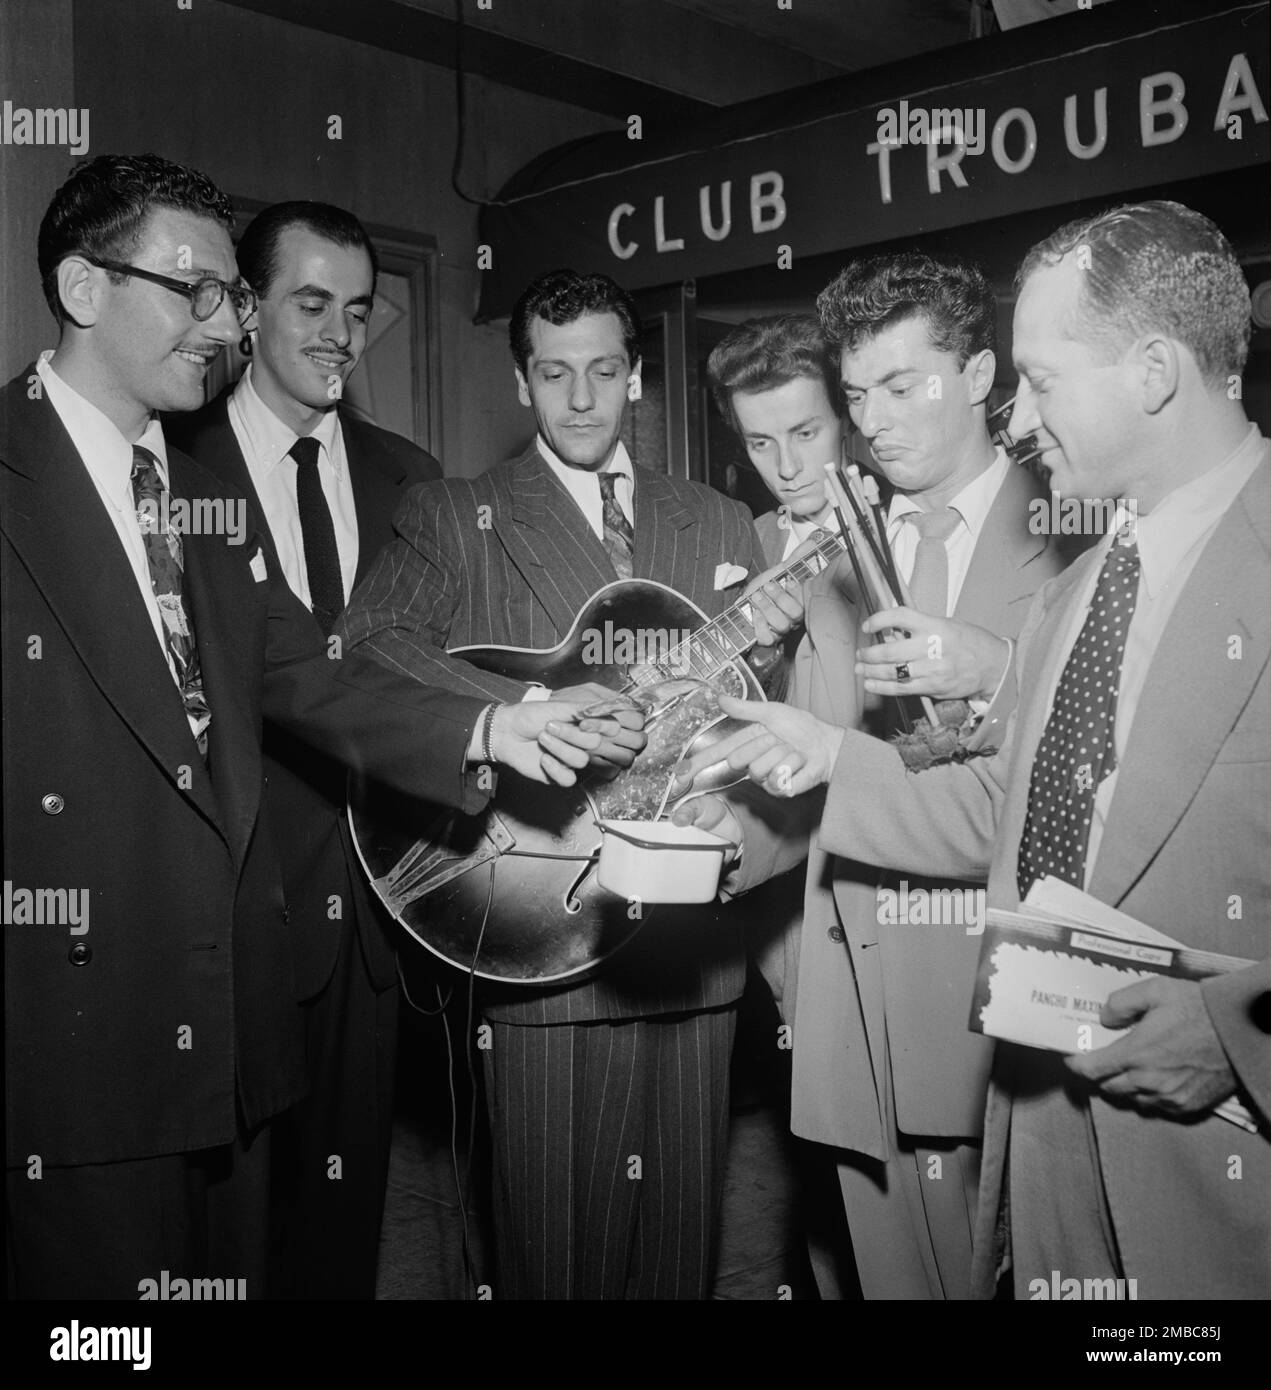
(1096,103)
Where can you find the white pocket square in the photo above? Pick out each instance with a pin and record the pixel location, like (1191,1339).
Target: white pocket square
(258,567)
(727,575)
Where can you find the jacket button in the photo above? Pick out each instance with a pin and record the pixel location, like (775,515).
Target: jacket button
(52,804)
(80,953)
(837,934)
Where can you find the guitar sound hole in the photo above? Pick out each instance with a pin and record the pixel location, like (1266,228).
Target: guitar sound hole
(572,902)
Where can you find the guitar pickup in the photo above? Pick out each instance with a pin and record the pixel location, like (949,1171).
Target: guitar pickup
(431,862)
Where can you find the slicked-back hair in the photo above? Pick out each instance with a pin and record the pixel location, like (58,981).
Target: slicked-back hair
(765,353)
(258,246)
(100,209)
(949,292)
(560,297)
(1155,267)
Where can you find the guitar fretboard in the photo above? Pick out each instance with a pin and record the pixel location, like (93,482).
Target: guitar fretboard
(732,633)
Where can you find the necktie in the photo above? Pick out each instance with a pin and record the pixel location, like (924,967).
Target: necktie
(1077,749)
(619,537)
(929,582)
(322,556)
(163,556)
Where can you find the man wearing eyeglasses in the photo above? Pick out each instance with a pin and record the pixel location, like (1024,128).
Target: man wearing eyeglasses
(327,484)
(152,1030)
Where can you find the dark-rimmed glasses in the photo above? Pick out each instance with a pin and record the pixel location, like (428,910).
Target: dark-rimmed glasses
(206,294)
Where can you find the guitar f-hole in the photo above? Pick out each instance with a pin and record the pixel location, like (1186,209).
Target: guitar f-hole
(572,900)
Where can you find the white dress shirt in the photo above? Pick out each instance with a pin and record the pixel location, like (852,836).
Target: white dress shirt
(972,505)
(1171,538)
(266,444)
(801,528)
(583,485)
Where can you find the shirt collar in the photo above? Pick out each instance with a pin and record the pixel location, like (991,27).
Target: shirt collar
(972,504)
(1170,530)
(270,438)
(620,463)
(97,439)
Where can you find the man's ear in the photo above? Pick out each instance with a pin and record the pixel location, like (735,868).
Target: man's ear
(981,369)
(1160,370)
(79,287)
(522,387)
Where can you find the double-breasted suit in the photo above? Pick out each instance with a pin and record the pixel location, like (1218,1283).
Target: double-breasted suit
(1184,840)
(171,1024)
(329,1230)
(508,558)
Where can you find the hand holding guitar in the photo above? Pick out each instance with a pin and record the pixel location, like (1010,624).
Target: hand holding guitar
(774,609)
(786,750)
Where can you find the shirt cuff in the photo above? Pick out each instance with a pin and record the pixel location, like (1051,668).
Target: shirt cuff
(536,692)
(980,707)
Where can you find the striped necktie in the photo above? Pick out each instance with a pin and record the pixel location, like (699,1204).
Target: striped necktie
(619,537)
(164,558)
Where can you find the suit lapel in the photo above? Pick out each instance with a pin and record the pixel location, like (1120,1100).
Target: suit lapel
(772,537)
(376,492)
(1184,716)
(548,540)
(665,539)
(59,527)
(997,576)
(213,574)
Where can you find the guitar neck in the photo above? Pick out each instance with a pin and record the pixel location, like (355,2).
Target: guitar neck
(732,633)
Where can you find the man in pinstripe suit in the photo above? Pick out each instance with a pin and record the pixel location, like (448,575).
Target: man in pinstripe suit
(608,1099)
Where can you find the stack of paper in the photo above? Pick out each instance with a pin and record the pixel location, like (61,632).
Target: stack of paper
(1046,970)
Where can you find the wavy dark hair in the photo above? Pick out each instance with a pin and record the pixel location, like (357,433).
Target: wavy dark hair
(764,353)
(949,292)
(100,210)
(562,296)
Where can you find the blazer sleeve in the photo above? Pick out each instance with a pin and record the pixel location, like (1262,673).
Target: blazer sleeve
(378,722)
(1239,1006)
(401,614)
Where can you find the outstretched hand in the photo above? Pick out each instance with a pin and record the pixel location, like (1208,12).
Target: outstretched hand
(785,750)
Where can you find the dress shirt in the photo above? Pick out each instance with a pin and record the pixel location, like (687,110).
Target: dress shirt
(266,444)
(583,485)
(107,456)
(1171,538)
(800,528)
(972,505)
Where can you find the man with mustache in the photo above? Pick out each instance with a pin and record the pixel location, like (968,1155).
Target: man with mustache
(149,1048)
(1135,770)
(327,485)
(884,1073)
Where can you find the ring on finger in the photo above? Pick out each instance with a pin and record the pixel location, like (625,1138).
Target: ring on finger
(902,671)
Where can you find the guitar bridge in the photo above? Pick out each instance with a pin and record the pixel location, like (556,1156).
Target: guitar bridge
(429,864)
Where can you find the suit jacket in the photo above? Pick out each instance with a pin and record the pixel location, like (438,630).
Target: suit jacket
(305,804)
(507,558)
(1184,834)
(175,1013)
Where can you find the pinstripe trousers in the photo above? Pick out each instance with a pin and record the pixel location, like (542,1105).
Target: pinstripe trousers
(609,1147)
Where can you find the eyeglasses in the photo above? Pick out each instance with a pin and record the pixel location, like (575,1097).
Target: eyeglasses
(206,295)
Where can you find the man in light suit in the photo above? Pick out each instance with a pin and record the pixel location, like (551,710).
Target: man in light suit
(314,270)
(152,1035)
(884,1070)
(633,1063)
(1141,785)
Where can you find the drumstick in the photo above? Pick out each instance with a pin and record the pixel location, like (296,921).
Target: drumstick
(873,571)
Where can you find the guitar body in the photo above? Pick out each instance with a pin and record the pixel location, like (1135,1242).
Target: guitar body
(511,894)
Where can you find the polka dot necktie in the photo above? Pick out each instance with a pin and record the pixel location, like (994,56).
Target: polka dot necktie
(1077,749)
(619,537)
(167,573)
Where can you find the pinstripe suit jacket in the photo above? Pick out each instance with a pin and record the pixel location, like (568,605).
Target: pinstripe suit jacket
(508,559)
